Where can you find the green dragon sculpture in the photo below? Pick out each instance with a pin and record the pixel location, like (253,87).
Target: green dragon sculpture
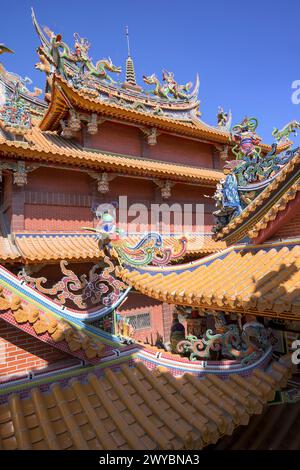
(283,134)
(69,63)
(170,88)
(246,345)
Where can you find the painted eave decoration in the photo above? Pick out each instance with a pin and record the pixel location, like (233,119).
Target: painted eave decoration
(255,188)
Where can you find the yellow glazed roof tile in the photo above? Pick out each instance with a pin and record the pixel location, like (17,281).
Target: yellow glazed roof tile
(63,92)
(136,408)
(50,147)
(8,250)
(264,280)
(80,247)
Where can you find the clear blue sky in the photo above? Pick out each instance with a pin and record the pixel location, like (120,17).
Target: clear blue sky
(247,53)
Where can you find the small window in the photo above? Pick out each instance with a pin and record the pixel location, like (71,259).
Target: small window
(140,321)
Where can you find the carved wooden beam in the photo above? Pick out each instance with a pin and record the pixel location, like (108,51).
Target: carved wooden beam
(151,134)
(19,169)
(74,122)
(71,125)
(67,133)
(165,187)
(92,125)
(223,151)
(103,180)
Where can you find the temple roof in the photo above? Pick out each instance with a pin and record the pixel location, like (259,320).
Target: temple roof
(273,430)
(102,79)
(52,148)
(266,207)
(137,409)
(8,250)
(64,96)
(75,84)
(23,247)
(262,280)
(46,327)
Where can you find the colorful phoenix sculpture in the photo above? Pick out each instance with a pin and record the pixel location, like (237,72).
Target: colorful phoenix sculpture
(150,249)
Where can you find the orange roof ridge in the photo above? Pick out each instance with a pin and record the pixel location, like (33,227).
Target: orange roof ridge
(63,90)
(59,332)
(54,247)
(264,280)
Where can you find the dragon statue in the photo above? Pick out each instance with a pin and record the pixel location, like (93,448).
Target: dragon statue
(246,345)
(86,67)
(283,134)
(56,57)
(169,88)
(150,250)
(224,119)
(250,172)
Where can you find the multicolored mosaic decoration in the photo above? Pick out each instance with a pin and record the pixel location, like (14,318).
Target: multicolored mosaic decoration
(250,172)
(169,88)
(17,103)
(150,250)
(83,291)
(102,79)
(248,345)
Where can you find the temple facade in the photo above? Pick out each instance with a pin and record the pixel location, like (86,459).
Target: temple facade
(152,336)
(87,145)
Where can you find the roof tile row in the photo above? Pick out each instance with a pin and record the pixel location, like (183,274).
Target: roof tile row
(137,409)
(264,280)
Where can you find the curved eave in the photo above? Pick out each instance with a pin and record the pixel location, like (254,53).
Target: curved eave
(80,247)
(64,95)
(260,280)
(50,148)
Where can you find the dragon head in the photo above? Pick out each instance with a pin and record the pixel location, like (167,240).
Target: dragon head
(150,79)
(108,64)
(247,124)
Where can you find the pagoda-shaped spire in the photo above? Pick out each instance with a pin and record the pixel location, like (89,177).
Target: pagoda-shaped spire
(130,80)
(130,73)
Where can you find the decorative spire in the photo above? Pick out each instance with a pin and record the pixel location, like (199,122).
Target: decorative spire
(128,43)
(130,73)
